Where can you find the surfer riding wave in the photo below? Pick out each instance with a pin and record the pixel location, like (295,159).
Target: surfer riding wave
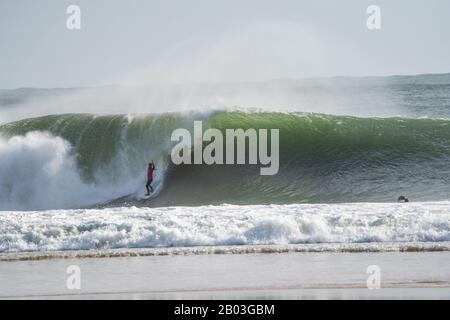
(148,186)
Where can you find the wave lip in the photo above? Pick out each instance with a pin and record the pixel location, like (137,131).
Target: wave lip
(226,225)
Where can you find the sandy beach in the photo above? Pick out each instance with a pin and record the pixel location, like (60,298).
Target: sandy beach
(293,275)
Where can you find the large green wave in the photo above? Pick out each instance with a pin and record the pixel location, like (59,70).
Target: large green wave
(323,158)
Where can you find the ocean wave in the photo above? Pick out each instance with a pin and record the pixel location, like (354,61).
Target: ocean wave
(101,160)
(226,225)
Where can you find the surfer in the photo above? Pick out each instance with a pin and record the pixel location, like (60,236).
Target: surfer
(151,168)
(403,199)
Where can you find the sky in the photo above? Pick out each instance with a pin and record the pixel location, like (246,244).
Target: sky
(179,41)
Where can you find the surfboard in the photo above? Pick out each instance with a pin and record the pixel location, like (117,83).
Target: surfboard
(142,195)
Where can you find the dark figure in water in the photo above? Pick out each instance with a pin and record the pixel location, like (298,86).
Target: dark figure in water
(403,199)
(151,168)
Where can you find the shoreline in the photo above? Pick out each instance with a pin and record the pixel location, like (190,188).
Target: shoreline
(386,293)
(366,247)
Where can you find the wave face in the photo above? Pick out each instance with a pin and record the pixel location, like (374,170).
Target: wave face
(366,224)
(83,160)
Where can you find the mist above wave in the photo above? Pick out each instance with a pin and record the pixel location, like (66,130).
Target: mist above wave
(366,97)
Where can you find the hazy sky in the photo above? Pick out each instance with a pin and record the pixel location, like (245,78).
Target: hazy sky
(144,41)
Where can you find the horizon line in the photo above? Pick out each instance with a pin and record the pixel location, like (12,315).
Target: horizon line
(227,82)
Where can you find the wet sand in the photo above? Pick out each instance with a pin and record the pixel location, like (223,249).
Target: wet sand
(293,275)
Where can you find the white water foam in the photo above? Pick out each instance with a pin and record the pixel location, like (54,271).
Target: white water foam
(225,225)
(38,171)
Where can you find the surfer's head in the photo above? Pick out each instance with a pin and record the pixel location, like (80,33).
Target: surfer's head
(403,199)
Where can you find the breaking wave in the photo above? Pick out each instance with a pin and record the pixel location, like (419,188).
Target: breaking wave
(84,160)
(365,225)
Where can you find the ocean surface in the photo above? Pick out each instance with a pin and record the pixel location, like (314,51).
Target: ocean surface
(73,166)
